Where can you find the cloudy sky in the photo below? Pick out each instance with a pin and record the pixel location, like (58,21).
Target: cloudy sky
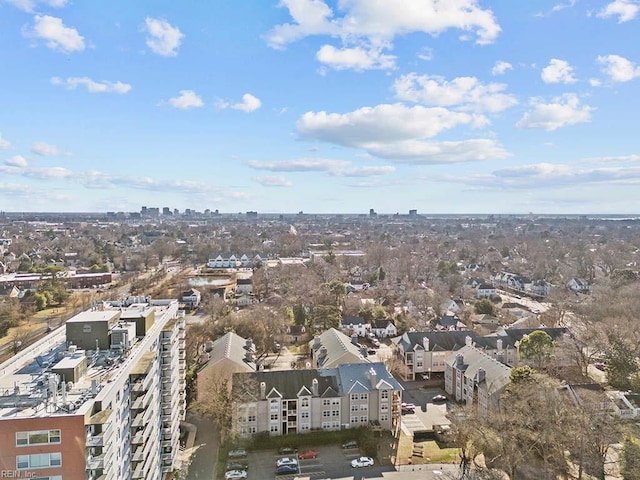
(462,106)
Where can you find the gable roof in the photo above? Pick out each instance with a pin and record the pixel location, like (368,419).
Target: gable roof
(496,375)
(233,347)
(438,341)
(356,377)
(337,349)
(283,383)
(354,320)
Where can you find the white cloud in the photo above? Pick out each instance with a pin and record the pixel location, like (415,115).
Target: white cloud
(163,38)
(44,149)
(594,82)
(357,58)
(466,92)
(29,5)
(625,10)
(382,123)
(335,168)
(382,20)
(501,67)
(4,143)
(249,103)
(273,181)
(300,165)
(430,153)
(618,68)
(17,161)
(56,35)
(563,111)
(187,99)
(558,71)
(92,86)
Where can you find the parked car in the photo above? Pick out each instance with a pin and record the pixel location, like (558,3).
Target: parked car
(362,462)
(307,454)
(286,469)
(234,474)
(237,466)
(286,461)
(287,450)
(238,453)
(600,366)
(408,407)
(350,444)
(439,399)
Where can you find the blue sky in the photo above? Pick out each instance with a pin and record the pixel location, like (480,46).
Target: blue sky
(463,106)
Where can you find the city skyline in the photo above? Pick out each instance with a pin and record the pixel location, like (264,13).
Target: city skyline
(320,106)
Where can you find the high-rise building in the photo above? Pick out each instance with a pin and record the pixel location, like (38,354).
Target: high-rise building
(101,397)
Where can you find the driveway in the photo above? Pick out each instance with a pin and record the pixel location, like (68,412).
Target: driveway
(205,450)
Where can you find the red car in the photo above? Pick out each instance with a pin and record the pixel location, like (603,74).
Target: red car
(306,455)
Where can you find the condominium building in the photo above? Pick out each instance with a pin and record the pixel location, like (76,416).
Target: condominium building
(102,397)
(282,402)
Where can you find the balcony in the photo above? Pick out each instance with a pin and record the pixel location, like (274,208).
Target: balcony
(95,463)
(138,439)
(95,440)
(139,471)
(138,421)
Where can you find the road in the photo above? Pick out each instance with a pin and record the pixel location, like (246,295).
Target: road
(203,461)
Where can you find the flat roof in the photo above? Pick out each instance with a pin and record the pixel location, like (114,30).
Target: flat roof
(94,316)
(71,362)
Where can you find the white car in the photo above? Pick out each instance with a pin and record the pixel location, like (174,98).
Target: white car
(362,462)
(286,461)
(234,474)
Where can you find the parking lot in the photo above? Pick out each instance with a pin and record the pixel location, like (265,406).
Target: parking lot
(332,463)
(426,414)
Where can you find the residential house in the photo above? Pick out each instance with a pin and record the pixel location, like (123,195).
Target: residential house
(579,285)
(244,300)
(452,306)
(191,298)
(590,397)
(485,290)
(626,405)
(475,378)
(299,401)
(297,333)
(539,288)
(332,348)
(448,322)
(244,285)
(229,354)
(384,328)
(355,324)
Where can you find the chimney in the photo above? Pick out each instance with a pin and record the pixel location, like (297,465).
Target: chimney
(316,342)
(354,339)
(314,387)
(373,377)
(263,390)
(459,361)
(248,344)
(425,343)
(482,375)
(499,344)
(248,356)
(468,341)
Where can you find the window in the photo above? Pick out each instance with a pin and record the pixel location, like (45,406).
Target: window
(274,417)
(251,418)
(37,437)
(364,407)
(274,405)
(326,425)
(418,363)
(39,460)
(326,413)
(304,403)
(304,414)
(364,419)
(326,402)
(354,396)
(335,401)
(274,429)
(335,413)
(354,419)
(335,425)
(384,417)
(305,426)
(384,407)
(384,394)
(364,396)
(253,429)
(354,408)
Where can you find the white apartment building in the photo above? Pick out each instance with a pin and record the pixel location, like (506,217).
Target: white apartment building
(100,398)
